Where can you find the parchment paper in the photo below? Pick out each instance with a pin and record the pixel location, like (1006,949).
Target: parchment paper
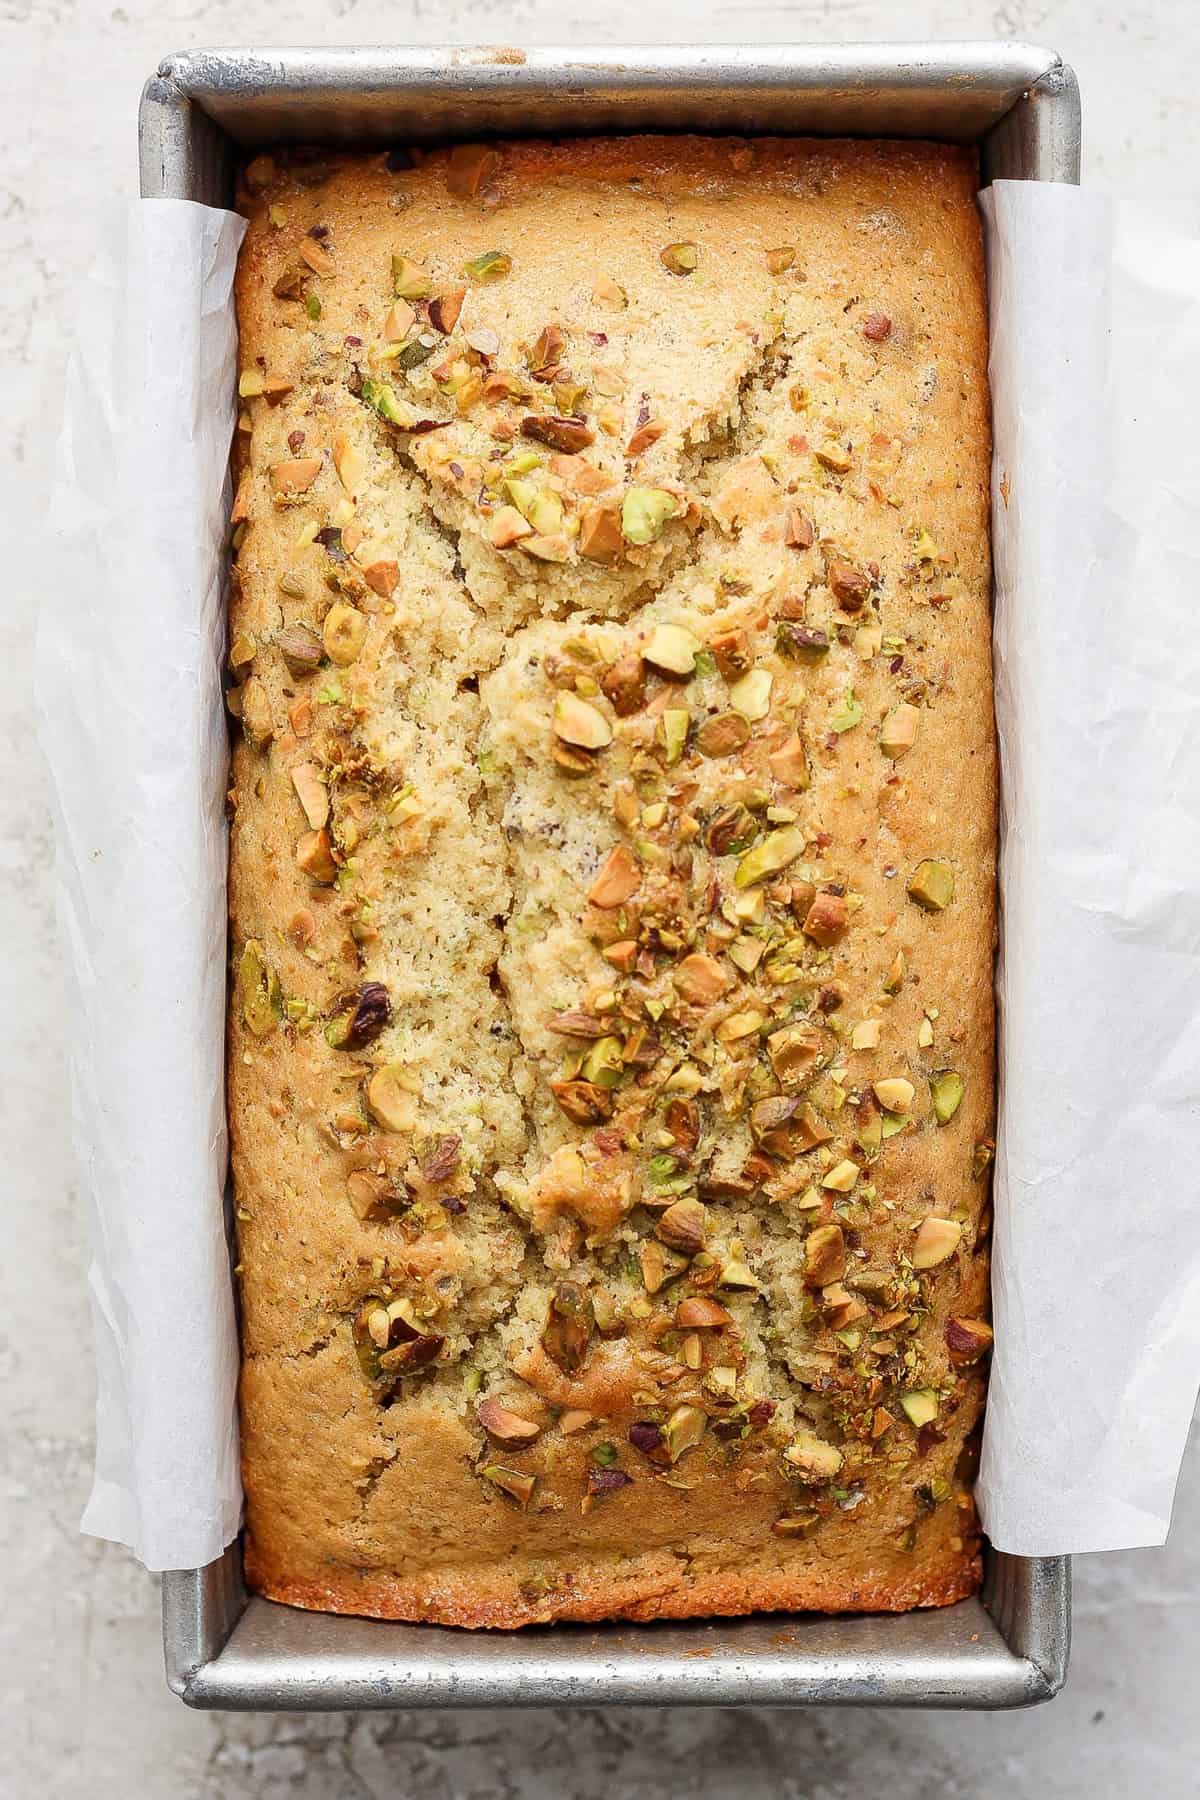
(131,637)
(1095,364)
(1095,339)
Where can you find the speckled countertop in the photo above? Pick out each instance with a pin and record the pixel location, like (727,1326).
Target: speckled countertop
(85,1709)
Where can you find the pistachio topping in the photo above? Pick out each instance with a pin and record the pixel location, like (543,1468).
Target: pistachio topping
(931,885)
(392,1097)
(577,722)
(258,991)
(680,259)
(936,1240)
(644,512)
(946,1090)
(898,733)
(672,648)
(812,1458)
(770,857)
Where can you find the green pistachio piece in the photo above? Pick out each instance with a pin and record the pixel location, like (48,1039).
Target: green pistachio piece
(644,512)
(932,884)
(683,1430)
(774,853)
(920,1406)
(846,714)
(898,733)
(409,280)
(751,696)
(382,398)
(946,1089)
(579,723)
(488,267)
(344,633)
(258,991)
(603,1065)
(811,1458)
(672,648)
(680,259)
(569,1326)
(675,722)
(417,350)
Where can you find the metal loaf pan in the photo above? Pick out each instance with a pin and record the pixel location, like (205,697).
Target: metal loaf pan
(199,114)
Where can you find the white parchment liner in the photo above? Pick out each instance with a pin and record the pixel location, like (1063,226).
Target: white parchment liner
(1096,511)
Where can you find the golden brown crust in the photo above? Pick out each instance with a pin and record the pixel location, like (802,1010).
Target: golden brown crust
(507,984)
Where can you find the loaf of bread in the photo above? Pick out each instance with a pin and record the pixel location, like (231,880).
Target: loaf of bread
(612,878)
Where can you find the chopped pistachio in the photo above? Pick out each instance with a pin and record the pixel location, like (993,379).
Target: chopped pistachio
(924,1034)
(258,991)
(935,1241)
(932,885)
(683,1430)
(812,1458)
(751,695)
(682,1226)
(672,648)
(675,723)
(946,1089)
(344,634)
(489,267)
(514,1482)
(618,880)
(504,1425)
(781,258)
(920,1406)
(409,280)
(865,1035)
(773,854)
(835,456)
(578,722)
(898,733)
(392,1097)
(644,512)
(312,793)
(603,1065)
(680,259)
(842,1177)
(895,1093)
(846,714)
(894,979)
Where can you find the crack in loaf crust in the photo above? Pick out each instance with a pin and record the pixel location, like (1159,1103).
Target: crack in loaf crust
(612,878)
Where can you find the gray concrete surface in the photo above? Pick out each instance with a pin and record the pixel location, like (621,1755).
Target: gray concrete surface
(82,1699)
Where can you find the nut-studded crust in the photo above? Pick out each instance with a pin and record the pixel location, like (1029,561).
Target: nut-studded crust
(612,878)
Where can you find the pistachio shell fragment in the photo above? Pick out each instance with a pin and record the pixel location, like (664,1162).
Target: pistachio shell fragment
(932,885)
(946,1089)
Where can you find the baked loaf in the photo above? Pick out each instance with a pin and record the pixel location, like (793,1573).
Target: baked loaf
(612,885)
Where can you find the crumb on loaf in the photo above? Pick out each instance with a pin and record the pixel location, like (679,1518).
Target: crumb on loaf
(612,877)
